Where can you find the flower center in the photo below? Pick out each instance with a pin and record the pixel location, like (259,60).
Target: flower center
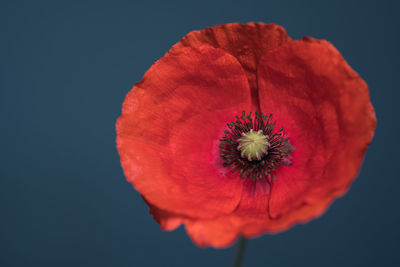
(253,148)
(253,145)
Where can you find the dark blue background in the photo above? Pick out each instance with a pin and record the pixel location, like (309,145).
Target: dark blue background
(65,69)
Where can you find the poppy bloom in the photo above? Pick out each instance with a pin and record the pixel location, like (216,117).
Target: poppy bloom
(240,130)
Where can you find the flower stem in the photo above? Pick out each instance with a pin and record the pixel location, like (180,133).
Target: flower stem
(240,252)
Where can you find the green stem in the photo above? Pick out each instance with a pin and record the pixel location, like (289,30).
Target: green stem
(240,252)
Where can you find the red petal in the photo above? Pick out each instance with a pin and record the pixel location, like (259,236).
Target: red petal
(220,232)
(325,110)
(170,126)
(168,221)
(254,201)
(246,42)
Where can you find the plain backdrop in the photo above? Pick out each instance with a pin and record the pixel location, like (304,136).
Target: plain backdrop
(66,67)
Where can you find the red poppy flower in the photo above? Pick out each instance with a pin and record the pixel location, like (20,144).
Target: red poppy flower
(239,130)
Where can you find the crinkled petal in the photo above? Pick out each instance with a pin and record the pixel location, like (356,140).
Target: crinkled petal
(167,220)
(325,110)
(168,133)
(246,42)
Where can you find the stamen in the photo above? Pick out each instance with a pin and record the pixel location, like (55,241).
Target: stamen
(252,148)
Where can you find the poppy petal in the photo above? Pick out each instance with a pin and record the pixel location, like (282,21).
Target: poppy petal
(166,150)
(168,221)
(325,110)
(254,201)
(246,42)
(220,232)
